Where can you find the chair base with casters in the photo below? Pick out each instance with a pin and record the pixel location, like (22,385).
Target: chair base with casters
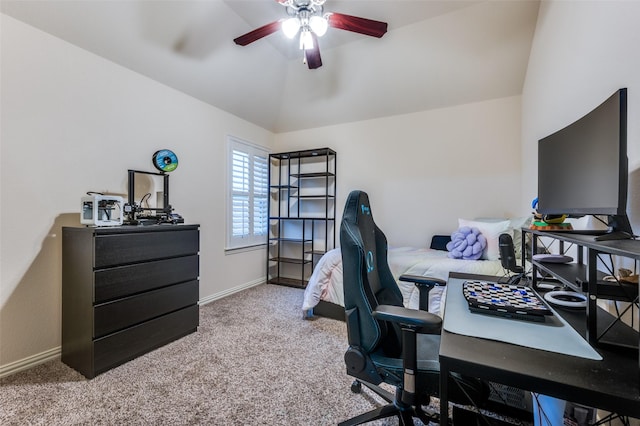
(418,328)
(394,408)
(403,403)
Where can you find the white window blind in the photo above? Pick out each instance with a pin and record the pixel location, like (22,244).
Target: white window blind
(248,192)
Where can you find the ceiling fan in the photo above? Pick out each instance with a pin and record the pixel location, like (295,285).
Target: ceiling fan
(307,19)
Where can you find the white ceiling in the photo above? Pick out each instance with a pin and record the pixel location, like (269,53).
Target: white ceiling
(436,53)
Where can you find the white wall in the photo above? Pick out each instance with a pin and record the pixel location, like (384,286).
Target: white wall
(73,122)
(423,171)
(583,51)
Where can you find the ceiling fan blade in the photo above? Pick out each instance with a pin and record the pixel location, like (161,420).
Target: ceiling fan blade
(257,34)
(357,25)
(312,56)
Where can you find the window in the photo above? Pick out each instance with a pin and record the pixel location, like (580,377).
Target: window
(247,201)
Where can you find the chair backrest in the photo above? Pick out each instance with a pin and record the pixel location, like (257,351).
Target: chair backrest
(367,279)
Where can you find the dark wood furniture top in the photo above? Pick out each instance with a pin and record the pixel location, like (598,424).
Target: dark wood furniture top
(611,384)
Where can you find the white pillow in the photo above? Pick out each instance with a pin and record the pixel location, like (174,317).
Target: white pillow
(491,231)
(515,226)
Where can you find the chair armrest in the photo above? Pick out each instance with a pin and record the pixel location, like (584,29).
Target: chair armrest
(411,322)
(419,321)
(424,284)
(422,281)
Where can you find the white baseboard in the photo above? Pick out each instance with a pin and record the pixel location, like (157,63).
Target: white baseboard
(29,362)
(231,291)
(53,353)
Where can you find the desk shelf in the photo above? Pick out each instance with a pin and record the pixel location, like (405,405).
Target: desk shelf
(567,274)
(585,276)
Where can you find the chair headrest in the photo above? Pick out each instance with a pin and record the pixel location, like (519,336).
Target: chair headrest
(357,208)
(358,217)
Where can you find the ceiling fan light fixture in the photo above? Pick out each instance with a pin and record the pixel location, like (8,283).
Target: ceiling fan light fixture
(290,27)
(306,40)
(319,25)
(308,21)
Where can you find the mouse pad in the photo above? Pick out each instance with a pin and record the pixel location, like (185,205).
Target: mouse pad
(553,335)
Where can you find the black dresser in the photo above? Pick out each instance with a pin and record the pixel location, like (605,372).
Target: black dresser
(125,291)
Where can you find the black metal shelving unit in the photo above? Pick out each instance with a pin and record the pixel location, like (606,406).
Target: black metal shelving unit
(302,212)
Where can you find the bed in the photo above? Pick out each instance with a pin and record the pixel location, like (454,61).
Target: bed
(324,294)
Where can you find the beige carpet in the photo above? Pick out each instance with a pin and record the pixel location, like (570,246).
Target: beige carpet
(253,361)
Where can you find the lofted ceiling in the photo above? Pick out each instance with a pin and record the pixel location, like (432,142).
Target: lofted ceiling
(436,53)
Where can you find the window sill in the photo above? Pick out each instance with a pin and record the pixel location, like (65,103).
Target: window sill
(237,250)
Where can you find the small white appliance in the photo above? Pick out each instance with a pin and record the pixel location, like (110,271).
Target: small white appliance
(101,210)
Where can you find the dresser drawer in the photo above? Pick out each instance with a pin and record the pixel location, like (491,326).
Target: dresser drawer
(127,344)
(127,248)
(121,281)
(123,313)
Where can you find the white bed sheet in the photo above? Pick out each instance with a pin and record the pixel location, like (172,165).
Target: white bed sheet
(326,281)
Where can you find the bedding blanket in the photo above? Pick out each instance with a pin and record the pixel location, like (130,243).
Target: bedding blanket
(326,281)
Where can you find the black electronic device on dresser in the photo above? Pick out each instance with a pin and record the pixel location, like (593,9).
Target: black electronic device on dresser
(126,291)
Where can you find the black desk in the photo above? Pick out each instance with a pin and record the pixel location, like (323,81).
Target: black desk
(611,384)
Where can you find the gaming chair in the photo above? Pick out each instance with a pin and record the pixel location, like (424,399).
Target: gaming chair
(388,342)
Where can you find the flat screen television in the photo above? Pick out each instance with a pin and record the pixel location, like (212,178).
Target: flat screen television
(583,168)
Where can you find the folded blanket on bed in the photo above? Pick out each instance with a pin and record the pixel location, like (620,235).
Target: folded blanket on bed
(466,243)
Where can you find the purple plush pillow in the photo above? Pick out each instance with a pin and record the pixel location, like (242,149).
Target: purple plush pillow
(466,243)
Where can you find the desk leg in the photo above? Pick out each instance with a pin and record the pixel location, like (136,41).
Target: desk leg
(534,269)
(444,400)
(592,295)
